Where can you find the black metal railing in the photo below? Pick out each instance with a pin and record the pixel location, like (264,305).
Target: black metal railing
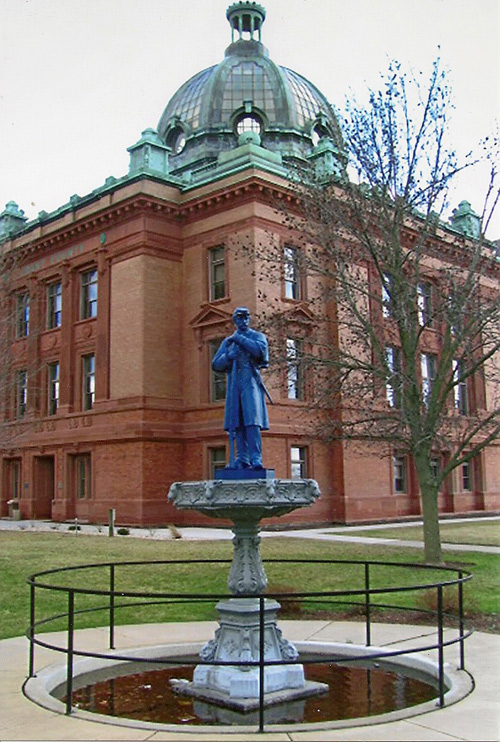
(362,601)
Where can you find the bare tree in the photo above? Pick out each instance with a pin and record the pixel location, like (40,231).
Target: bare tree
(404,340)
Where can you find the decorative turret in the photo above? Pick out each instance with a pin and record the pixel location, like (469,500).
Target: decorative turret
(246,18)
(12,220)
(465,220)
(149,154)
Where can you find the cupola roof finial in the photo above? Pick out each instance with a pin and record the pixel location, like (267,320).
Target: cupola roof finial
(246,18)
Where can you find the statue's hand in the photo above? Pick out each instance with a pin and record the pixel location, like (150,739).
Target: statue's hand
(232,351)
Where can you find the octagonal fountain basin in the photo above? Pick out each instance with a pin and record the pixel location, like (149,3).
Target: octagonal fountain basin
(148,694)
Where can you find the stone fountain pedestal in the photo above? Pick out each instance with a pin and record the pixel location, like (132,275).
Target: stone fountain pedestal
(237,640)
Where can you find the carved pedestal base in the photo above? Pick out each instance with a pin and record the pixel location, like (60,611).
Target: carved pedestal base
(237,641)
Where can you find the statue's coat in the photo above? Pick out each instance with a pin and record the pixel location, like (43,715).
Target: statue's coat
(245,396)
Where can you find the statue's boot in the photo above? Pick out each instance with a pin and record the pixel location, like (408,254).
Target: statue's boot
(254,444)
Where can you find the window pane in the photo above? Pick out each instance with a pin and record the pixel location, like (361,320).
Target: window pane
(295,381)
(399,472)
(393,384)
(291,273)
(88,307)
(428,370)
(88,378)
(15,479)
(217,378)
(424,304)
(83,472)
(217,273)
(54,305)
(21,393)
(466,478)
(387,302)
(298,462)
(249,123)
(23,315)
(53,390)
(460,388)
(217,460)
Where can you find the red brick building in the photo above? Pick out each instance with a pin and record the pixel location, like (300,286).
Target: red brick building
(121,296)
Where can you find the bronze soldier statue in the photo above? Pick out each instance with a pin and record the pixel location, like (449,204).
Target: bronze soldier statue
(240,356)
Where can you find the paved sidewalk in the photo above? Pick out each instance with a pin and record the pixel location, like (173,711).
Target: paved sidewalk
(476,717)
(348,534)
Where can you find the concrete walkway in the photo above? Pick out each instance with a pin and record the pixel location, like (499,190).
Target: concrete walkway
(476,717)
(348,534)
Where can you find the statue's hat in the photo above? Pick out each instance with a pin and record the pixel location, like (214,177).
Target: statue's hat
(241,310)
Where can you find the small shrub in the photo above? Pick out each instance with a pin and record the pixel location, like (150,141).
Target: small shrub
(122,531)
(74,528)
(429,601)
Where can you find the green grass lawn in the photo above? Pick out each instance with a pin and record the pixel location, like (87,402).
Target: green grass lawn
(486,533)
(23,553)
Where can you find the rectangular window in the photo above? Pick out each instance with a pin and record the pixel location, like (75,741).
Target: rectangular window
(83,476)
(466,476)
(88,382)
(53,388)
(217,272)
(295,380)
(88,297)
(428,362)
(217,378)
(54,305)
(387,299)
(22,315)
(15,479)
(435,466)
(424,304)
(21,393)
(399,473)
(393,383)
(291,273)
(217,459)
(460,388)
(298,462)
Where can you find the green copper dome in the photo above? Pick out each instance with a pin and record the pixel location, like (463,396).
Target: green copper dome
(246,92)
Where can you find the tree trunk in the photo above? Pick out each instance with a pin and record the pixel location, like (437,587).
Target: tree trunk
(432,537)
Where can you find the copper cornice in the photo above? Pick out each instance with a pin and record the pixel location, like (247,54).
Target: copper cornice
(256,188)
(112,214)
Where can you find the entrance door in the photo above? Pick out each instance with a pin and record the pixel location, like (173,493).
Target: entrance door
(43,487)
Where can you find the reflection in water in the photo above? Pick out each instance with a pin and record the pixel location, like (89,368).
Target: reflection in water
(354,691)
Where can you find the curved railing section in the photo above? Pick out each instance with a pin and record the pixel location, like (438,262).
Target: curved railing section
(365,601)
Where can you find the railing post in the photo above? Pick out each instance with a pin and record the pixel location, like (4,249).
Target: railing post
(461,620)
(112,606)
(261,664)
(440,644)
(31,670)
(69,669)
(367,605)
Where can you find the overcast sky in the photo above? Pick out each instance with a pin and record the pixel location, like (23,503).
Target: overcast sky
(80,79)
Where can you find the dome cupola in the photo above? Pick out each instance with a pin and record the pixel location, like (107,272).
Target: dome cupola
(246,94)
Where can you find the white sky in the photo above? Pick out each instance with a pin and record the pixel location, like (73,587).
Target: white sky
(80,79)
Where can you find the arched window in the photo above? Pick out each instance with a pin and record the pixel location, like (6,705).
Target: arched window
(249,123)
(176,139)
